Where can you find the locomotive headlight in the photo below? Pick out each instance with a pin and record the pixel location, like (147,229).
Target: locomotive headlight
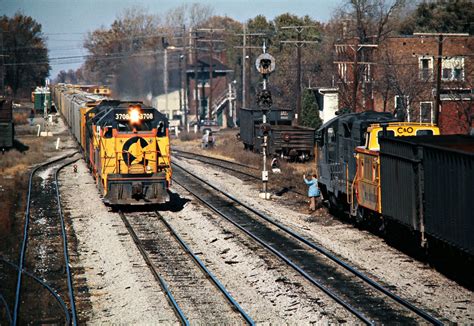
(134,116)
(148,168)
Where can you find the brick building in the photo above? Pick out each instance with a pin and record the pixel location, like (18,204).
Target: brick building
(199,75)
(399,76)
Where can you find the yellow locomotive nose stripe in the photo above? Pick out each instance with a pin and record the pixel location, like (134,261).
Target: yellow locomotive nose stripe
(136,150)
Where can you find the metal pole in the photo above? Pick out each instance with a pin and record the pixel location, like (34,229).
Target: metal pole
(298,79)
(249,79)
(244,62)
(185,88)
(196,100)
(210,77)
(2,76)
(438,79)
(180,80)
(356,77)
(165,79)
(264,170)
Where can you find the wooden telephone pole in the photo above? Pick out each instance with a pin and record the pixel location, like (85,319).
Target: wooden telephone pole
(299,43)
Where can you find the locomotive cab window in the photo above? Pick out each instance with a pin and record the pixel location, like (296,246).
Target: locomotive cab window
(108,132)
(390,133)
(161,130)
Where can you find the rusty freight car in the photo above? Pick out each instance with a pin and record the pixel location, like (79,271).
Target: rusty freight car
(285,140)
(6,124)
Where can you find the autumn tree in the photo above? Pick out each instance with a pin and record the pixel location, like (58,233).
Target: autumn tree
(363,24)
(440,16)
(283,81)
(25,55)
(68,77)
(129,54)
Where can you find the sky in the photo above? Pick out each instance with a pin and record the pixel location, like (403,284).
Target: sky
(66,22)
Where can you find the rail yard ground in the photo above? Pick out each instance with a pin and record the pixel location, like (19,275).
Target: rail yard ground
(114,285)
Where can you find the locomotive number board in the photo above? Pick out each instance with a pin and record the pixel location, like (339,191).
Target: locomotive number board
(134,114)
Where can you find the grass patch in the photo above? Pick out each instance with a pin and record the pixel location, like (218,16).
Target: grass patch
(229,147)
(189,136)
(20,118)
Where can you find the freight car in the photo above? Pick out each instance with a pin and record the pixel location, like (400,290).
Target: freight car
(7,131)
(125,145)
(427,184)
(285,140)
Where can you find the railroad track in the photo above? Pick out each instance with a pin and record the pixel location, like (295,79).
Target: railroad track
(44,258)
(366,299)
(229,166)
(193,291)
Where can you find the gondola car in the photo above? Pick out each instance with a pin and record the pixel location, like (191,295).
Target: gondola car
(6,124)
(426,185)
(285,140)
(125,145)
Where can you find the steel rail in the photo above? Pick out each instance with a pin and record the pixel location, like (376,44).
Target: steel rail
(46,286)
(157,277)
(330,293)
(326,253)
(65,247)
(25,235)
(7,307)
(216,282)
(221,166)
(217,159)
(228,168)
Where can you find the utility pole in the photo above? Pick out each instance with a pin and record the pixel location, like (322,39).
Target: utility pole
(247,64)
(2,76)
(165,78)
(356,48)
(244,50)
(211,41)
(439,58)
(180,81)
(299,43)
(184,57)
(196,100)
(211,76)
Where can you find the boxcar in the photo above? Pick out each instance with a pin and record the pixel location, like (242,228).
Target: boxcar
(427,185)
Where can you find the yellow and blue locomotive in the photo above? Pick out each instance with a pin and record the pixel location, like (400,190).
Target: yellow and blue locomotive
(125,144)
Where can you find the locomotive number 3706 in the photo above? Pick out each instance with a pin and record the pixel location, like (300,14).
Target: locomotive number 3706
(126,116)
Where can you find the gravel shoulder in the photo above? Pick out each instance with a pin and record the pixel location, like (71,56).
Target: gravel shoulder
(413,280)
(120,285)
(268,290)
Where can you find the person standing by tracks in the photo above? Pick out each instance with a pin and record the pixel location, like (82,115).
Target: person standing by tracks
(313,192)
(32,116)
